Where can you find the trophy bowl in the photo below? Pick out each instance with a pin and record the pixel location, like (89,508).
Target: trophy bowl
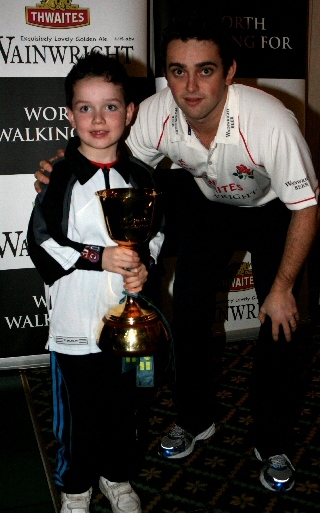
(131,328)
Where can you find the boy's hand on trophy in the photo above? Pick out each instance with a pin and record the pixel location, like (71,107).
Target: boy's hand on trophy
(120,260)
(46,167)
(134,283)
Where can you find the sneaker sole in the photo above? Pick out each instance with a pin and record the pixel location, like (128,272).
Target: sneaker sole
(266,485)
(202,436)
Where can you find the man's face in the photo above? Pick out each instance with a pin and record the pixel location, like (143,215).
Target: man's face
(196,78)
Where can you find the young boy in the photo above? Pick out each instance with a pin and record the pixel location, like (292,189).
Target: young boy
(85,273)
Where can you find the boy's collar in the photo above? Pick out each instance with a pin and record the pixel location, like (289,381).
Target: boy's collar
(106,166)
(83,169)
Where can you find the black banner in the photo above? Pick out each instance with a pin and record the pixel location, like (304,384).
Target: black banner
(270,36)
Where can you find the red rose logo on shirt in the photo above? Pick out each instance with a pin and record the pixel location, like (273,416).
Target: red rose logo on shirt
(243,172)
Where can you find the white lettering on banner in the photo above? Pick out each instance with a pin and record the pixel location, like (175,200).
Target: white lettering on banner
(43,133)
(48,133)
(245,23)
(275,42)
(243,282)
(40,301)
(30,321)
(249,41)
(58,17)
(38,321)
(33,54)
(43,111)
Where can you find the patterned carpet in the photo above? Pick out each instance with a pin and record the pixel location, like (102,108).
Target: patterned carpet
(221,476)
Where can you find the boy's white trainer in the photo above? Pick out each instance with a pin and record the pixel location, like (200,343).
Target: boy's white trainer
(122,497)
(75,502)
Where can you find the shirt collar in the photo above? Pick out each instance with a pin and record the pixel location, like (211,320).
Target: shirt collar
(84,170)
(228,129)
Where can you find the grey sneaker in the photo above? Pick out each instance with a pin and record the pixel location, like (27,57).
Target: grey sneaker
(75,502)
(277,473)
(122,497)
(179,443)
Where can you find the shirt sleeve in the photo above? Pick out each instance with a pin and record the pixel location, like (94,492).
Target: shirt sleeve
(292,177)
(276,146)
(69,255)
(145,134)
(64,255)
(155,245)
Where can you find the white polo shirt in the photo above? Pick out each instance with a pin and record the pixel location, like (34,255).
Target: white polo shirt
(258,153)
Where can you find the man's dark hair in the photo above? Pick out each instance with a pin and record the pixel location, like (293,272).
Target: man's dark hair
(96,64)
(202,28)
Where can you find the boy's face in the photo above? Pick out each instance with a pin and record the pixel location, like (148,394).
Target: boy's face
(195,75)
(99,115)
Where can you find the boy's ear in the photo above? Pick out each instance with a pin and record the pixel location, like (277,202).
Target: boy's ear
(129,114)
(71,117)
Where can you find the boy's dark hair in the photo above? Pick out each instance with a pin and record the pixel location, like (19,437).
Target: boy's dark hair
(202,28)
(96,64)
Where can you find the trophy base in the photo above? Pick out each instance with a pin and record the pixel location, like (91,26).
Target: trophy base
(141,340)
(130,330)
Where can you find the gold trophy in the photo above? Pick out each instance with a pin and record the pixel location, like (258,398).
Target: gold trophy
(129,329)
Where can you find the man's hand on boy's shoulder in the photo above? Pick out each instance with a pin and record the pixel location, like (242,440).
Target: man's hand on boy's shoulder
(46,165)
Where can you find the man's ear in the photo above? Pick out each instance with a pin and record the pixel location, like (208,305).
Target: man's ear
(129,113)
(231,73)
(71,117)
